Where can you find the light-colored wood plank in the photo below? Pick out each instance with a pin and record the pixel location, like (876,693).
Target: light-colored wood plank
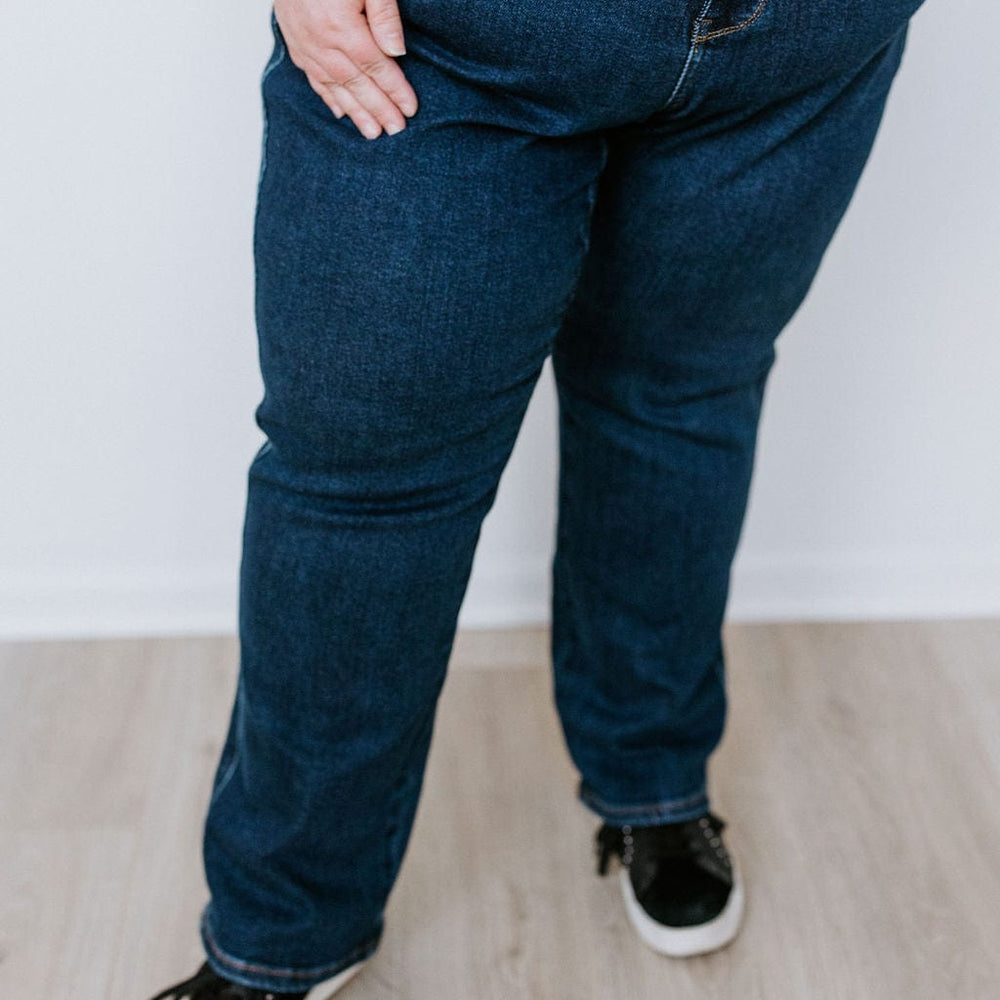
(859,774)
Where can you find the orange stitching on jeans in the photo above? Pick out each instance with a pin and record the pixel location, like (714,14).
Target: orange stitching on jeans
(758,10)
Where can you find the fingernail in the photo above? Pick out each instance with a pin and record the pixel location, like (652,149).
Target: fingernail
(395,46)
(392,128)
(408,107)
(370,130)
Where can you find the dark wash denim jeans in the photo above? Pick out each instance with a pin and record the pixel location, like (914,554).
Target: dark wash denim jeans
(642,189)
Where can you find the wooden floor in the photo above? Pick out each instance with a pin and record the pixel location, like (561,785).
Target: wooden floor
(860,776)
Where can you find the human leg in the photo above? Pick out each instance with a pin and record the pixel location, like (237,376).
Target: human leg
(407,293)
(711,220)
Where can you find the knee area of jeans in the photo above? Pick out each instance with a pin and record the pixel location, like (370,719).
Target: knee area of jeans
(322,436)
(723,397)
(444,459)
(379,476)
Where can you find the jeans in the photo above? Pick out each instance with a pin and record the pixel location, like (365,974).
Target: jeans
(642,190)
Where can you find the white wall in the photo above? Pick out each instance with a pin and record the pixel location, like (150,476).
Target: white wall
(131,141)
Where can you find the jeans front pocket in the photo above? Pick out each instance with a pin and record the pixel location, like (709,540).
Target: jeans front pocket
(278,54)
(711,20)
(726,17)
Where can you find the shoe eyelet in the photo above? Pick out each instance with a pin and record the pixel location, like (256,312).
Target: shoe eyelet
(627,845)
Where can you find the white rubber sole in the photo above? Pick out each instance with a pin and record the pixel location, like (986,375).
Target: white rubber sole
(682,942)
(326,989)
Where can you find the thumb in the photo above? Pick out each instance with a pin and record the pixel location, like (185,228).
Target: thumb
(386,26)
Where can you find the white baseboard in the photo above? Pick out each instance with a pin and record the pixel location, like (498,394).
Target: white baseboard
(789,587)
(864,586)
(109,603)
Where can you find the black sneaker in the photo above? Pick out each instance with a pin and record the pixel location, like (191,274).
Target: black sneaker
(682,889)
(207,984)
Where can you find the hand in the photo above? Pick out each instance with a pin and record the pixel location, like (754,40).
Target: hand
(345,47)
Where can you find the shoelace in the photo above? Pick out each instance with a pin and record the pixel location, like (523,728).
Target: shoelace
(662,841)
(196,988)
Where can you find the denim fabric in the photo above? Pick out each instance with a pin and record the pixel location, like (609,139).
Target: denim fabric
(642,191)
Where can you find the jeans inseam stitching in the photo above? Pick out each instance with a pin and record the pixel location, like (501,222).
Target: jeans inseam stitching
(692,49)
(651,808)
(331,968)
(732,29)
(583,235)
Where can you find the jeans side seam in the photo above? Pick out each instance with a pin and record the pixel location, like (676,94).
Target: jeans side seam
(224,780)
(271,66)
(392,856)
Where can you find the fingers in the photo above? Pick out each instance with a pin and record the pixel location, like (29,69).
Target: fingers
(386,26)
(343,53)
(340,97)
(360,80)
(338,80)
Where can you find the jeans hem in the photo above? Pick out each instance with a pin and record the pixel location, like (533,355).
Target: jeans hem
(280,978)
(647,814)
